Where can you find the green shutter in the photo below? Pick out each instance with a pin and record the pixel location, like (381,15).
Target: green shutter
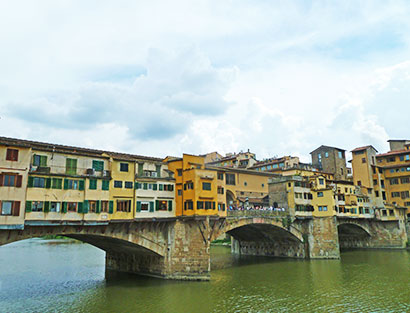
(48,182)
(81,185)
(64,207)
(43,160)
(65,183)
(151,206)
(86,206)
(80,207)
(213,205)
(136,185)
(93,184)
(171,187)
(46,206)
(156,205)
(98,165)
(161,187)
(98,207)
(111,207)
(138,206)
(170,205)
(154,186)
(140,169)
(28,206)
(30,181)
(71,166)
(145,186)
(105,185)
(158,168)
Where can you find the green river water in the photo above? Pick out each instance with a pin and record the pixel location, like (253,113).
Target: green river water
(58,276)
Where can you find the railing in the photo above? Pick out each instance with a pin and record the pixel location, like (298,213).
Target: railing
(257,213)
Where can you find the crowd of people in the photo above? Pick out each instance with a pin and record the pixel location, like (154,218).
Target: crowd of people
(256,208)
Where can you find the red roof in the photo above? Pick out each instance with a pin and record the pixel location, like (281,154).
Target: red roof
(363,148)
(404,151)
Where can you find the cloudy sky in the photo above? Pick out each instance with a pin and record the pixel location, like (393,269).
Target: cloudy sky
(166,77)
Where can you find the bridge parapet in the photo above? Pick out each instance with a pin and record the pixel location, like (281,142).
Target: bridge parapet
(257,213)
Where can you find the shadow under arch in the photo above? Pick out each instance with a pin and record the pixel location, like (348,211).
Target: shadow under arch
(352,235)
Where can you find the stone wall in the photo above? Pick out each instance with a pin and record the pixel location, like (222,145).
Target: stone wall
(283,248)
(322,238)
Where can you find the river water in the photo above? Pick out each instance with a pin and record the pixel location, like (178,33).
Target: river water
(58,276)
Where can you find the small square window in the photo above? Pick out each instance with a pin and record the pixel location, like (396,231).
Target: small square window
(124,167)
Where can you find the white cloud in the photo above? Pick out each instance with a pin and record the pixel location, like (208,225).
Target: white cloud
(170,77)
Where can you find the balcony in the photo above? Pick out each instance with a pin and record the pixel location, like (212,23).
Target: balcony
(40,169)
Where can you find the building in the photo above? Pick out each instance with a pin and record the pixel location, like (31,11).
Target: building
(277,164)
(232,160)
(330,160)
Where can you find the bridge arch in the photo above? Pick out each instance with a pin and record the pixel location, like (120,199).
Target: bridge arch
(353,235)
(264,236)
(107,238)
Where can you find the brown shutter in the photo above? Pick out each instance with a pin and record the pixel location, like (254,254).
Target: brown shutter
(9,155)
(15,155)
(16,208)
(19,179)
(1,179)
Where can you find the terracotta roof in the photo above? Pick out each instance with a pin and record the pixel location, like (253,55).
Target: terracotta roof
(36,145)
(364,148)
(404,151)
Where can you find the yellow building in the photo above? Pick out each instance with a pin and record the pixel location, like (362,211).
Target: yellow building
(154,189)
(14,166)
(67,184)
(196,187)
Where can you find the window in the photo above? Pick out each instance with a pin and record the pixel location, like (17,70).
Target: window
(326,154)
(320,194)
(376,193)
(230,179)
(340,155)
(6,207)
(391,159)
(363,160)
(98,166)
(245,183)
(263,185)
(395,194)
(188,205)
(404,194)
(56,183)
(93,184)
(104,206)
(39,182)
(105,185)
(71,166)
(72,184)
(123,205)
(359,183)
(220,190)
(323,208)
(72,206)
(161,205)
(394,181)
(55,207)
(384,195)
(39,160)
(10,180)
(206,186)
(319,156)
(12,155)
(92,206)
(401,158)
(199,205)
(123,167)
(179,192)
(220,176)
(117,184)
(405,180)
(128,184)
(189,185)
(321,181)
(341,171)
(37,206)
(144,206)
(179,171)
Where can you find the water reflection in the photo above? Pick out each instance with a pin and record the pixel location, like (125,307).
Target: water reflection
(50,276)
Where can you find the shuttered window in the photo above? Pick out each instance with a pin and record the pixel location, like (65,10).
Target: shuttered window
(93,184)
(12,155)
(57,183)
(98,165)
(105,185)
(71,166)
(40,160)
(11,208)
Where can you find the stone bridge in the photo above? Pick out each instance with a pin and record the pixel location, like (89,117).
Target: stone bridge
(179,248)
